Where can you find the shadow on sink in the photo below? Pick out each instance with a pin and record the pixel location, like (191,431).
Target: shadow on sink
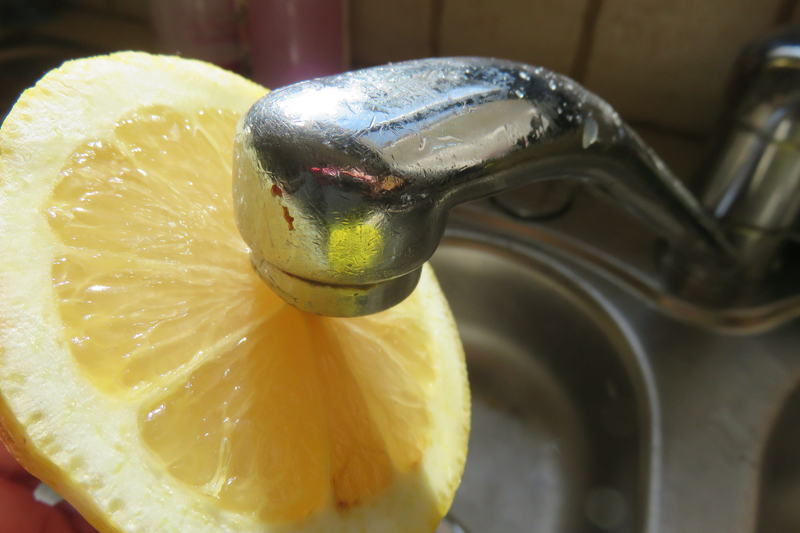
(780,484)
(560,420)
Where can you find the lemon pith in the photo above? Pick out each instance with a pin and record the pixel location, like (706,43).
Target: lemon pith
(214,405)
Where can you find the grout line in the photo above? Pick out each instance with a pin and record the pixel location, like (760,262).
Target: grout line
(435,40)
(785,11)
(583,51)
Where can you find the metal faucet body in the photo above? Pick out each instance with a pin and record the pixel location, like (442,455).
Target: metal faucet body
(753,183)
(342,185)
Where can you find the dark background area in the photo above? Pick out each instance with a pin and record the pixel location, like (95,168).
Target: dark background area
(663,64)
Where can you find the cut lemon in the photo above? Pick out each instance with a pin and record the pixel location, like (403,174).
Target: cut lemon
(150,377)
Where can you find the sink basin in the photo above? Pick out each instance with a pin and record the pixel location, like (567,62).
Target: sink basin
(595,409)
(559,421)
(780,492)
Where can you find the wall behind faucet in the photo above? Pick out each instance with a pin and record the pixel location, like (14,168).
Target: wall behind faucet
(659,62)
(664,64)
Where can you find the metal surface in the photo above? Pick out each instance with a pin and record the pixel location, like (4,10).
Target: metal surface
(595,411)
(780,497)
(342,185)
(753,186)
(558,420)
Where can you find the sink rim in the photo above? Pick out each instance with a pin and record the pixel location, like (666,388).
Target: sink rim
(581,293)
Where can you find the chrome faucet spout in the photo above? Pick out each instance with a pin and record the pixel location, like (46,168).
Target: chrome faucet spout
(342,185)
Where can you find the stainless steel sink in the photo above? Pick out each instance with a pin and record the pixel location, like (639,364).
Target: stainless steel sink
(780,497)
(558,426)
(594,410)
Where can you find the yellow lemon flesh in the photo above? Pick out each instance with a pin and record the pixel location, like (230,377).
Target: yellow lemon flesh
(146,372)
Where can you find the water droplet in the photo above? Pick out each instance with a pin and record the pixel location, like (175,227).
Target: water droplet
(590,131)
(520,93)
(553,85)
(545,122)
(524,75)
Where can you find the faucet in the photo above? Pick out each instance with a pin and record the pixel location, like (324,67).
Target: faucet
(342,185)
(752,185)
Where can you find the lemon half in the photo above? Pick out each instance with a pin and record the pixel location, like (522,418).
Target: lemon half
(150,377)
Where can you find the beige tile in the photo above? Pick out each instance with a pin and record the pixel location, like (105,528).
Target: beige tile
(386,31)
(668,61)
(539,32)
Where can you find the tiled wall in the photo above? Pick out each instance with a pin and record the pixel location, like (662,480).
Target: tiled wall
(667,62)
(659,62)
(662,63)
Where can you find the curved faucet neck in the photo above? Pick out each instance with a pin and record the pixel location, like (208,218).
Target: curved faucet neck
(342,185)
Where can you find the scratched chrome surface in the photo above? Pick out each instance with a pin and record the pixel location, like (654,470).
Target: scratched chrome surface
(343,184)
